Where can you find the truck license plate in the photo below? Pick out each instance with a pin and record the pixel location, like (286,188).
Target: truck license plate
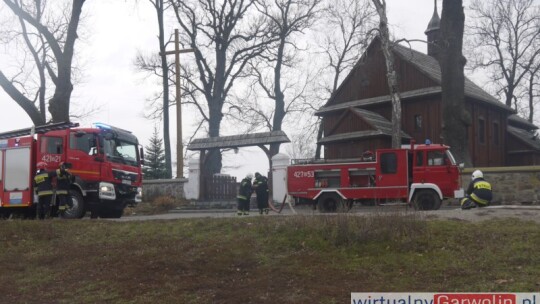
(126,182)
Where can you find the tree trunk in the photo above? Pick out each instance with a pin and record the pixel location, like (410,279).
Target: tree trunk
(165,80)
(279,111)
(213,162)
(391,76)
(319,136)
(530,91)
(59,103)
(456,118)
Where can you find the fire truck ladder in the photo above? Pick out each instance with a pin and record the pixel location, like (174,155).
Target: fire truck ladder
(39,129)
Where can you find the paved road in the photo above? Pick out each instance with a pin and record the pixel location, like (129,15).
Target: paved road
(531,213)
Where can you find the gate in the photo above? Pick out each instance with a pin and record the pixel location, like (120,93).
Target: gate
(220,187)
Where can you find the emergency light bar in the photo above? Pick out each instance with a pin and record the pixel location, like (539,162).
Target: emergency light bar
(103,126)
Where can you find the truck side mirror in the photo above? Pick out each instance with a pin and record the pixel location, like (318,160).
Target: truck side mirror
(141,153)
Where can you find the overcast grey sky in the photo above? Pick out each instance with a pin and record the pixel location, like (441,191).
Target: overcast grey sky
(117,29)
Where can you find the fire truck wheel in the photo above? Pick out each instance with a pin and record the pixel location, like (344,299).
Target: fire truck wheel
(331,202)
(77,209)
(426,200)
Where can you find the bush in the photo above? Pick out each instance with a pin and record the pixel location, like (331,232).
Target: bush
(160,204)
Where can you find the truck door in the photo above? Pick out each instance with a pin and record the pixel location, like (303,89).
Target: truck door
(392,168)
(51,150)
(439,171)
(83,154)
(419,169)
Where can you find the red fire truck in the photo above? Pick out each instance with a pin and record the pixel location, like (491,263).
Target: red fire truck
(105,161)
(418,175)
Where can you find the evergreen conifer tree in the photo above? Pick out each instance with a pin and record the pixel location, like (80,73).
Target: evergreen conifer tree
(154,166)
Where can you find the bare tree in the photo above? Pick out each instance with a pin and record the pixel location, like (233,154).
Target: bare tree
(386,46)
(286,20)
(505,43)
(452,63)
(301,146)
(533,90)
(160,67)
(225,37)
(52,50)
(348,24)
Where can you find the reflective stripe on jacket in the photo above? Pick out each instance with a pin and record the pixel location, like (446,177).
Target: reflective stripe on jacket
(63,181)
(480,191)
(43,183)
(245,189)
(261,185)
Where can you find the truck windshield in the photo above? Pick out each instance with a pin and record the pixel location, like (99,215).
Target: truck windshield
(119,151)
(450,157)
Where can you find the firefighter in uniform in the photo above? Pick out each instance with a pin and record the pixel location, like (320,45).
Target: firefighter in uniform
(63,183)
(478,193)
(44,189)
(261,189)
(244,195)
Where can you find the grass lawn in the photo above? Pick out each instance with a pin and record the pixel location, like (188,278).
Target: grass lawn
(293,259)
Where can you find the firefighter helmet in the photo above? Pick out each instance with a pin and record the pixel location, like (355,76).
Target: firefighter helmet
(477,174)
(41,165)
(249,175)
(257,174)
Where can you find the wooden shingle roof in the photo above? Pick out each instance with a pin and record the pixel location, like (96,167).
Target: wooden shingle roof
(236,141)
(428,66)
(528,138)
(381,127)
(516,121)
(379,99)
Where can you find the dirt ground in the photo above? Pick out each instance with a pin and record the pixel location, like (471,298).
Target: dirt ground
(525,213)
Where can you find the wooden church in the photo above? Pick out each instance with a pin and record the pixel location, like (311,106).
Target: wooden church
(357,117)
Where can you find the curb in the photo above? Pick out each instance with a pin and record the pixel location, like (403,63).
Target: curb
(202,211)
(514,207)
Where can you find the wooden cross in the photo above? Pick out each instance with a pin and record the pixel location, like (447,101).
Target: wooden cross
(179,144)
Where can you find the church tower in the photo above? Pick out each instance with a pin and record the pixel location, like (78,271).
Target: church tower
(433,32)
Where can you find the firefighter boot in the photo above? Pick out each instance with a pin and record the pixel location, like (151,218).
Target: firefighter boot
(260,211)
(467,203)
(239,212)
(266,210)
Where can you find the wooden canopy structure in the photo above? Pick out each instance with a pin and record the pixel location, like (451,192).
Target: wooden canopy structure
(212,144)
(237,141)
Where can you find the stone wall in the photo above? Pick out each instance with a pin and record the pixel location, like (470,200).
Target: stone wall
(163,187)
(511,185)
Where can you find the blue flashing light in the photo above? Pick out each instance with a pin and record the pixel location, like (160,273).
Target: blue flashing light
(102,125)
(428,142)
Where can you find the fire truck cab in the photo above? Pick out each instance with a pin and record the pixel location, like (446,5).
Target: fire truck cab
(105,162)
(418,175)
